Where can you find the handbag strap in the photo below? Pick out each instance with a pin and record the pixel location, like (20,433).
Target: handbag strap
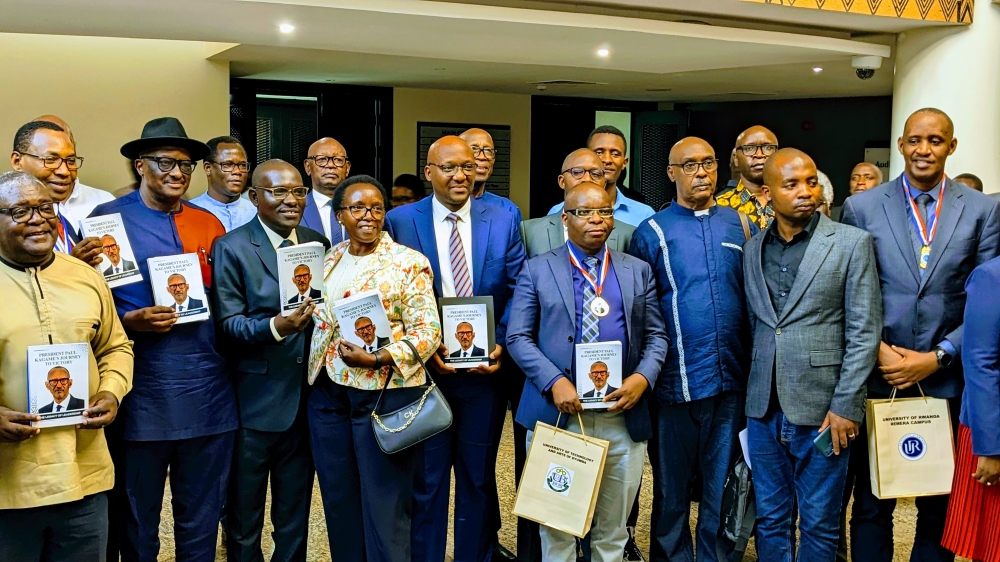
(892,395)
(388,377)
(578,417)
(745,222)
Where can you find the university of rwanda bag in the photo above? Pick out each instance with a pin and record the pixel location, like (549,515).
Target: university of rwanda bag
(561,479)
(911,451)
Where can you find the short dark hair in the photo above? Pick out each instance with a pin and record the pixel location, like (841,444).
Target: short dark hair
(213,145)
(22,138)
(338,194)
(932,111)
(608,130)
(411,182)
(973,178)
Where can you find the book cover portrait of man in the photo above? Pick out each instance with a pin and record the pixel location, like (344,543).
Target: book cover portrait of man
(58,384)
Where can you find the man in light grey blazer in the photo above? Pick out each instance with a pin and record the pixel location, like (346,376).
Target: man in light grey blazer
(816,312)
(548,233)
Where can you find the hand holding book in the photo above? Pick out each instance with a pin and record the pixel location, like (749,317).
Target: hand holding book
(88,251)
(296,321)
(102,411)
(629,394)
(15,426)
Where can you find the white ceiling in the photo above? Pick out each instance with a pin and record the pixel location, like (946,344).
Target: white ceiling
(482,47)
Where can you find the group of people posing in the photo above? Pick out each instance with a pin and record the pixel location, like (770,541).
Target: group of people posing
(736,307)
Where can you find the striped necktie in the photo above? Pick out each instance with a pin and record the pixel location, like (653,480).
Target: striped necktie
(459,267)
(591,332)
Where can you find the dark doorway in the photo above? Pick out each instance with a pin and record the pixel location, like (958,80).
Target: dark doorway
(275,119)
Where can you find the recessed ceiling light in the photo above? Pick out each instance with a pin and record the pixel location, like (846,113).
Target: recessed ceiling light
(817,69)
(286,28)
(603,52)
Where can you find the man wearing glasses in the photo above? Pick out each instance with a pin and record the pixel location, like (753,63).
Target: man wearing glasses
(753,146)
(695,250)
(46,151)
(485,152)
(270,352)
(227,169)
(580,166)
(474,250)
(182,413)
(326,165)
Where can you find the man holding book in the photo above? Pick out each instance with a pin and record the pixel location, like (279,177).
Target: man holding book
(53,481)
(598,296)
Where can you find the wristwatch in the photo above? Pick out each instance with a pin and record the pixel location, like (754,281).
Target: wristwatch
(943,357)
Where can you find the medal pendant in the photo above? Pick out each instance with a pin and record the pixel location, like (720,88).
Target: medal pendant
(925,256)
(600,307)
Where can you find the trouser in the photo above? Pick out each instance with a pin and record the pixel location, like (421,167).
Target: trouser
(848,492)
(693,438)
(366,493)
(630,523)
(871,518)
(74,531)
(789,473)
(199,472)
(467,446)
(529,545)
(284,458)
(619,483)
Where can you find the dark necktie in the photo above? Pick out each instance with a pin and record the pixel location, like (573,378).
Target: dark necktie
(336,236)
(286,243)
(59,408)
(923,201)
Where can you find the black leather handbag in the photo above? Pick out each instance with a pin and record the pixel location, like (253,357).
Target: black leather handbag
(416,422)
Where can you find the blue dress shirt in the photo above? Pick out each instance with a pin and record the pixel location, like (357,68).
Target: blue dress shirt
(503,203)
(231,215)
(628,211)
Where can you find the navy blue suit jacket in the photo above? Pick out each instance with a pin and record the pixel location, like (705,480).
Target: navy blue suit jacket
(310,219)
(497,251)
(920,312)
(269,375)
(545,349)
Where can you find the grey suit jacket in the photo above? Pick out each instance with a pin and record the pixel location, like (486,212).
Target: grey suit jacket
(921,312)
(546,233)
(824,343)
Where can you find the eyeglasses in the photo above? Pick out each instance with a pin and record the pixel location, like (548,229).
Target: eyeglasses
(489,153)
(230,166)
(175,286)
(109,247)
(691,168)
(605,213)
(54,162)
(468,333)
(359,211)
(57,382)
(167,164)
(751,149)
(23,214)
(282,192)
(578,172)
(598,373)
(301,275)
(368,328)
(450,169)
(326,161)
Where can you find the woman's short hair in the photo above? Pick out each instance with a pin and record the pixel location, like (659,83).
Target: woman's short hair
(338,194)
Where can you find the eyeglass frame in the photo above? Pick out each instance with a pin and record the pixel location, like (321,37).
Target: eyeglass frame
(761,147)
(702,164)
(367,211)
(60,159)
(477,150)
(585,171)
(291,190)
(331,159)
(232,165)
(443,168)
(590,212)
(176,161)
(31,212)
(59,382)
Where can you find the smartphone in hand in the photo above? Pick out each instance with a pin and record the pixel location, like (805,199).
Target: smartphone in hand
(824,443)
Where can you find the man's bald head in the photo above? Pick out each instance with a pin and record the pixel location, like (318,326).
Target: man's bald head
(327,165)
(14,185)
(475,133)
(584,191)
(792,183)
(949,125)
(484,152)
(587,163)
(273,172)
(774,167)
(694,190)
(864,176)
(452,189)
(56,120)
(760,140)
(448,146)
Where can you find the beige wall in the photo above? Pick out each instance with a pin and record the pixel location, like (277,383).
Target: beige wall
(412,105)
(106,89)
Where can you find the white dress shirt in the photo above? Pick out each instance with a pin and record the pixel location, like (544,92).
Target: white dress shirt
(81,203)
(598,393)
(184,306)
(442,233)
(275,239)
(325,206)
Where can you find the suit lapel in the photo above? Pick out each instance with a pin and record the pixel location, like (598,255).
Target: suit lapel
(951,211)
(555,232)
(816,252)
(627,283)
(480,236)
(559,264)
(423,226)
(895,214)
(310,215)
(756,280)
(265,251)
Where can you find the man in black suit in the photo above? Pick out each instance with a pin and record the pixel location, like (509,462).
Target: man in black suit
(269,354)
(466,337)
(59,383)
(111,251)
(599,376)
(365,329)
(178,286)
(302,278)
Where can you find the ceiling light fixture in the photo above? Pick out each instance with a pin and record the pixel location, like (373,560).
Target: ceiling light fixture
(602,52)
(817,69)
(286,28)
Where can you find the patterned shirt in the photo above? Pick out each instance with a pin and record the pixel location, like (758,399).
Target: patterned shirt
(741,199)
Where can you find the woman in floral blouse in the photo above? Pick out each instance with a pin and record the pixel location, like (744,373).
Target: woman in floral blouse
(366,493)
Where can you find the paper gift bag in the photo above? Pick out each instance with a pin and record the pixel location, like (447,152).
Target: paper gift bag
(561,479)
(911,451)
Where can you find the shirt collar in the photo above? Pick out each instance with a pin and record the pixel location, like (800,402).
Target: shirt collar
(580,254)
(440,212)
(622,202)
(320,199)
(76,191)
(274,238)
(772,231)
(206,198)
(914,192)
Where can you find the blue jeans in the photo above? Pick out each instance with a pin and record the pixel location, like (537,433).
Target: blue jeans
(789,472)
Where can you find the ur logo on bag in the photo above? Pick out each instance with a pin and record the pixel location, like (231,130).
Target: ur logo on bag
(912,447)
(559,479)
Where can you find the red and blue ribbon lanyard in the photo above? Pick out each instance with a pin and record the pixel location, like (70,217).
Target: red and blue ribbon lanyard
(925,231)
(598,306)
(64,243)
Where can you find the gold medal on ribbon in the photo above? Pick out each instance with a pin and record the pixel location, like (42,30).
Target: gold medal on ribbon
(925,256)
(600,307)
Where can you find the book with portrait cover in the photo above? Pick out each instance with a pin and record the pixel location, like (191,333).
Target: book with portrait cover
(467,330)
(598,372)
(300,275)
(177,284)
(58,376)
(363,320)
(117,259)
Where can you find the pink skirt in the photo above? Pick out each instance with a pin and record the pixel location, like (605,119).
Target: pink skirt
(972,529)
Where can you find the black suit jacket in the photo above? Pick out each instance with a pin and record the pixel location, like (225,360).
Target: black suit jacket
(476,352)
(269,376)
(607,390)
(313,294)
(193,304)
(74,404)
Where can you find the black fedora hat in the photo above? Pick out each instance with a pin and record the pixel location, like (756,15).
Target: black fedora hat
(163,132)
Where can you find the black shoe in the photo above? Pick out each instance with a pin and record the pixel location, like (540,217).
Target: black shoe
(501,553)
(632,552)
